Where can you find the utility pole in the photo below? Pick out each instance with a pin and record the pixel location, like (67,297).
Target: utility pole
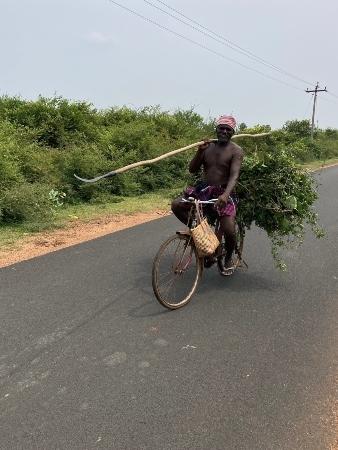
(314,104)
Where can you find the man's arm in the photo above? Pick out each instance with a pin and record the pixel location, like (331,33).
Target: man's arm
(235,168)
(197,161)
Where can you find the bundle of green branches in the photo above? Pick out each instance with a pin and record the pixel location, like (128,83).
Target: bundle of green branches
(278,197)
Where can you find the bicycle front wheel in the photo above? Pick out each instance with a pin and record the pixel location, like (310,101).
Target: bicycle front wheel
(176,271)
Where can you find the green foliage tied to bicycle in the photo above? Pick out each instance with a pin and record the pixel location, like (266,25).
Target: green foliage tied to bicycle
(278,197)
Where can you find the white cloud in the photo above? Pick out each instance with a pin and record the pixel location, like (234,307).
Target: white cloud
(97,37)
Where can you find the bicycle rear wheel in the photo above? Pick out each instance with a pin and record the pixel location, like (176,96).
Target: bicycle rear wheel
(176,271)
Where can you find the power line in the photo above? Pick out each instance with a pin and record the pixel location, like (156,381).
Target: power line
(330,100)
(221,55)
(333,100)
(223,40)
(333,94)
(210,33)
(231,44)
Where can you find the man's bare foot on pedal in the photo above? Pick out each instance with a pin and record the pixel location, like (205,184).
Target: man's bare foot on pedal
(228,267)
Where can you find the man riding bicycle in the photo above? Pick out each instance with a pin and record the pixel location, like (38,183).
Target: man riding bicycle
(221,162)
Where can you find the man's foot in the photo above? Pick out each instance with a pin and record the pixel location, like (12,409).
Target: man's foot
(227,267)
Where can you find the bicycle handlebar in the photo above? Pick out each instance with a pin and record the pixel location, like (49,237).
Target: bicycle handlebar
(212,201)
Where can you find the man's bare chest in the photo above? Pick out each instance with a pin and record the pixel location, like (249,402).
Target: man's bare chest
(218,156)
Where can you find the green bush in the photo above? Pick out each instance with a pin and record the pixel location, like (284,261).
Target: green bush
(86,160)
(10,149)
(298,128)
(56,122)
(26,202)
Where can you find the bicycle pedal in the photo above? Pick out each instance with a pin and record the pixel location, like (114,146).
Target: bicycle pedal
(243,265)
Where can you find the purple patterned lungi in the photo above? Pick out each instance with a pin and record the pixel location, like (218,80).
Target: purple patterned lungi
(203,191)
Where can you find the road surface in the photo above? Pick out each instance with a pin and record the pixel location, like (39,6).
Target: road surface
(90,360)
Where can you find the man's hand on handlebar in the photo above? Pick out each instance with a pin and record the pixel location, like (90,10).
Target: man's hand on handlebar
(222,200)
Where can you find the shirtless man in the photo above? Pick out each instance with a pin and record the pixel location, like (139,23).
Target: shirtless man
(221,163)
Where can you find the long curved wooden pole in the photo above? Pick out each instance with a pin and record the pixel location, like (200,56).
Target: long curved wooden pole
(159,158)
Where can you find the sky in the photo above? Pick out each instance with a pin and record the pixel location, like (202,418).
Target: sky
(94,50)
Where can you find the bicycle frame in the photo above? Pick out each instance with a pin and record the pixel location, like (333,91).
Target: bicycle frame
(193,202)
(186,266)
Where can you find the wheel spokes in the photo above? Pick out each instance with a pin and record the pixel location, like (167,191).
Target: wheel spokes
(177,271)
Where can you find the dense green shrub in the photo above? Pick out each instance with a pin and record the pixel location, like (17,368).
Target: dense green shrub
(26,202)
(56,122)
(298,128)
(10,148)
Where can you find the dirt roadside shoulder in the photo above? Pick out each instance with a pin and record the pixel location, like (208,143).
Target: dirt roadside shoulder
(74,233)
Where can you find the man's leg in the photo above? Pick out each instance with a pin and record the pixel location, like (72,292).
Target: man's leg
(228,228)
(181,210)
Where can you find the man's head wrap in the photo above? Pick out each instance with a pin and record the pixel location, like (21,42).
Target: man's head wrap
(226,120)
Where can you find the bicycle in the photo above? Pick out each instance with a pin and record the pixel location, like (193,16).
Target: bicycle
(177,267)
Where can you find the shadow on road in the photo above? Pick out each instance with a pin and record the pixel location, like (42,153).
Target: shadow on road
(148,309)
(242,281)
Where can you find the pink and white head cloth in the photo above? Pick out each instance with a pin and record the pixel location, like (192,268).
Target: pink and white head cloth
(226,120)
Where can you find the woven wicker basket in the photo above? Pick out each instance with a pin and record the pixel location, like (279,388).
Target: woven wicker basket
(205,239)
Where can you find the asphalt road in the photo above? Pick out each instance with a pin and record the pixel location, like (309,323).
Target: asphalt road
(89,359)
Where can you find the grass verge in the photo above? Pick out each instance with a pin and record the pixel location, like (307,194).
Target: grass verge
(11,235)
(314,165)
